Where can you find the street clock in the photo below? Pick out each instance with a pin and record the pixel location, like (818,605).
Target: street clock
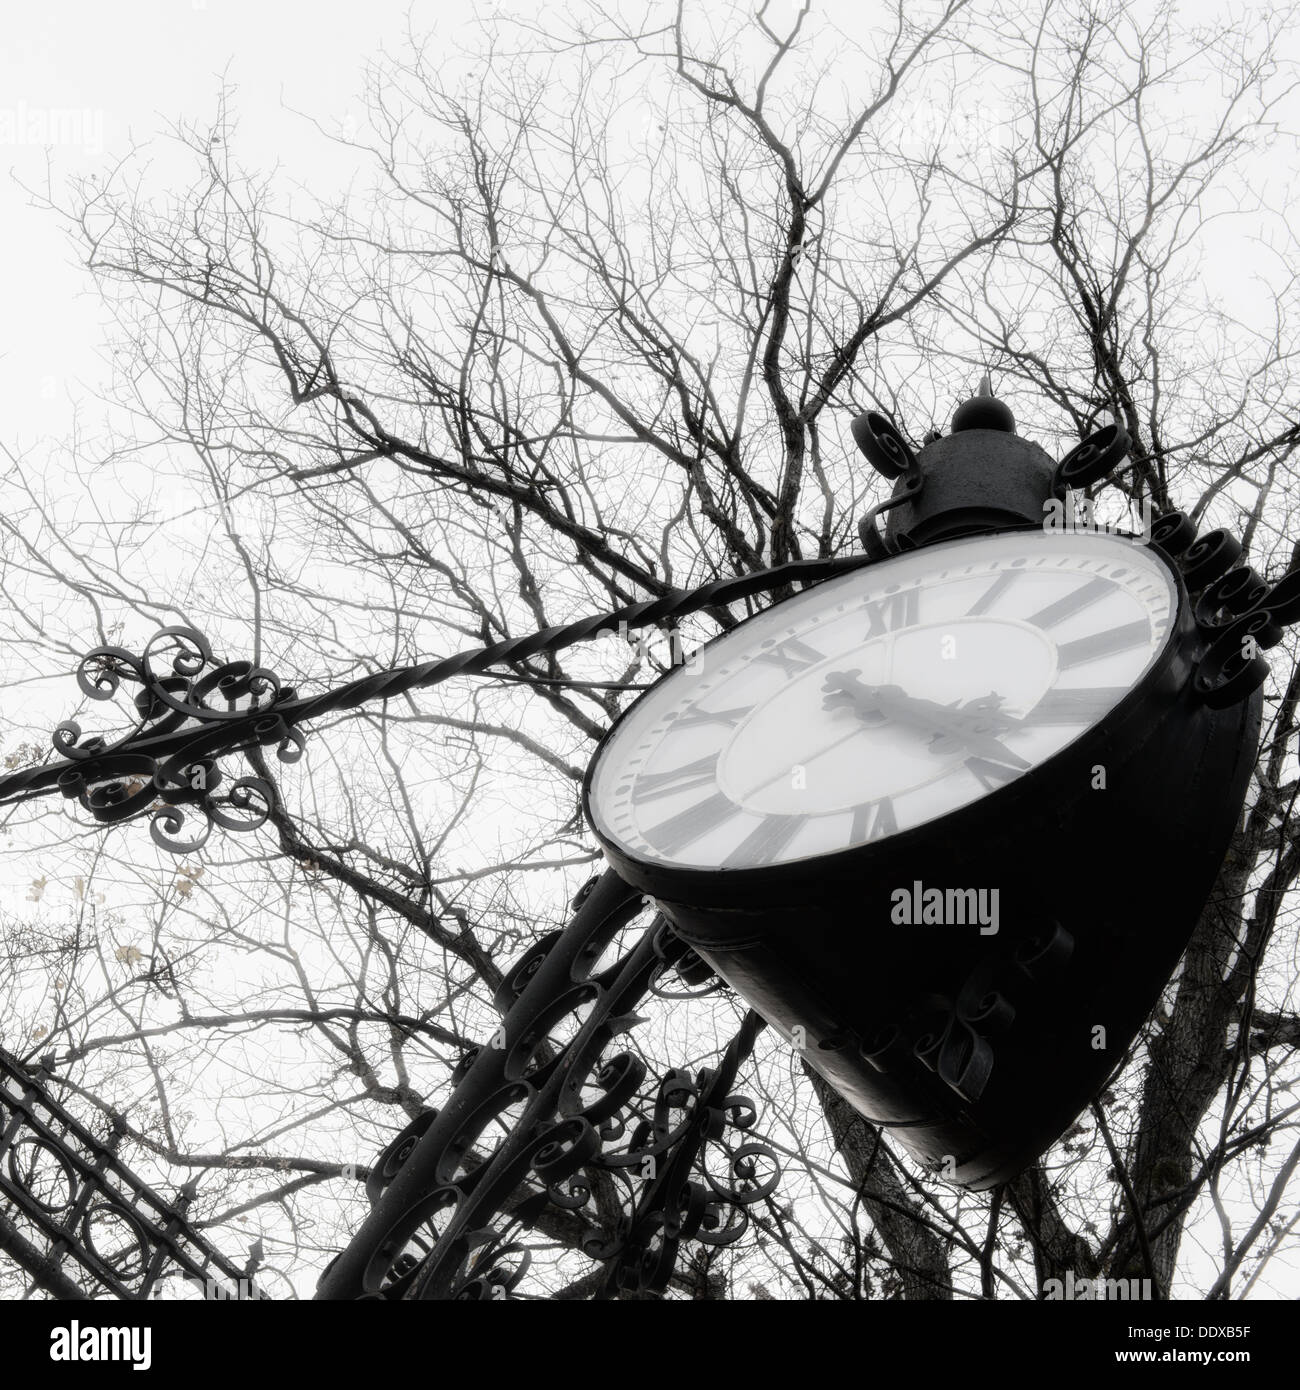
(948,821)
(882,702)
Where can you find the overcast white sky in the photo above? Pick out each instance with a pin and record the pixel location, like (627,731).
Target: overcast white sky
(92,78)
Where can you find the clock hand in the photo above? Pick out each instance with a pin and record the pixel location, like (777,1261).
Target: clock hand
(810,757)
(988,746)
(973,727)
(893,703)
(885,703)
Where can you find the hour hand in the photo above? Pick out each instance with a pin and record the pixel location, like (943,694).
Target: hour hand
(973,728)
(981,743)
(976,726)
(844,690)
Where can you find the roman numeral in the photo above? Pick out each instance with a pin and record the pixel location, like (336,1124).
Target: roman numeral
(729,717)
(873,820)
(893,611)
(763,845)
(1076,602)
(1115,639)
(992,775)
(655,784)
(793,655)
(674,835)
(994,592)
(1082,706)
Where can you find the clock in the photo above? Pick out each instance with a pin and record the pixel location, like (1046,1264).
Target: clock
(879,703)
(946,822)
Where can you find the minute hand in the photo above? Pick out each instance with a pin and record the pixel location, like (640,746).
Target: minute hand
(966,728)
(894,703)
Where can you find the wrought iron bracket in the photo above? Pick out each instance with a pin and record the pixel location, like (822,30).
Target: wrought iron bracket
(584,1131)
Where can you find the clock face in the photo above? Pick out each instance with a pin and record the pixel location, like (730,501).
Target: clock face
(882,700)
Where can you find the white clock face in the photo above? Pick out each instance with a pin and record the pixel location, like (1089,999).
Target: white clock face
(882,700)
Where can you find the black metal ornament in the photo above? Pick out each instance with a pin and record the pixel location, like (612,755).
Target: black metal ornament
(1230,671)
(84,1225)
(1239,613)
(892,457)
(1173,532)
(980,477)
(455,1197)
(1224,600)
(195,697)
(1092,460)
(882,444)
(1210,557)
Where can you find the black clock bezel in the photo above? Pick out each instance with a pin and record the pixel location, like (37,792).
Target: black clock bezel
(1057,781)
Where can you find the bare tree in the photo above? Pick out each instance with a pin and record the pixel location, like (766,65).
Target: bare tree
(595,330)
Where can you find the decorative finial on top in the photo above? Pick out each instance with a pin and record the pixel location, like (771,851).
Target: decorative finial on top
(984,412)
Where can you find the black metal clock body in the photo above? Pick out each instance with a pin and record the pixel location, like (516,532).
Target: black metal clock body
(1089,787)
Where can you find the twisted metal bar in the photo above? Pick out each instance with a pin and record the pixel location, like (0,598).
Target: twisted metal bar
(167,761)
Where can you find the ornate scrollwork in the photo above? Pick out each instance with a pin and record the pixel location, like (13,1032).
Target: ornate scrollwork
(1231,595)
(952,1035)
(892,457)
(1209,558)
(1091,459)
(1241,616)
(1173,532)
(1232,668)
(91,1227)
(881,443)
(640,1163)
(214,708)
